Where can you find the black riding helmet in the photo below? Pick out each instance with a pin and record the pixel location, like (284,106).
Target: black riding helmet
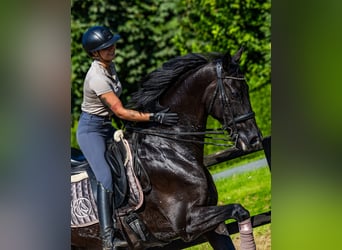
(97,38)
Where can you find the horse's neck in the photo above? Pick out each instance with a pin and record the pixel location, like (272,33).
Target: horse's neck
(188,100)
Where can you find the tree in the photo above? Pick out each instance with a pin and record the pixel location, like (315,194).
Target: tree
(213,25)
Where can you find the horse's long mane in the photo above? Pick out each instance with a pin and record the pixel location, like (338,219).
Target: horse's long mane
(158,81)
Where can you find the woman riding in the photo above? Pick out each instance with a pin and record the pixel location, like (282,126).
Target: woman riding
(101,92)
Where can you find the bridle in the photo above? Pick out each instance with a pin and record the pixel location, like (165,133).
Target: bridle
(225,101)
(231,126)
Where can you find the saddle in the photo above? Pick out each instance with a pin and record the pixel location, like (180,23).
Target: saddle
(128,193)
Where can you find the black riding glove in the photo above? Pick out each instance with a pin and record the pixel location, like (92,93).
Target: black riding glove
(163,117)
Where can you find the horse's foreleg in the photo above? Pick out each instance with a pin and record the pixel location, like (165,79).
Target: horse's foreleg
(246,235)
(204,218)
(219,238)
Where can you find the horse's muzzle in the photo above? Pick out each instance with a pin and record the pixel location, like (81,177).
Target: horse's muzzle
(249,141)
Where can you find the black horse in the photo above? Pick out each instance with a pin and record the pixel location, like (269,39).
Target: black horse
(181,201)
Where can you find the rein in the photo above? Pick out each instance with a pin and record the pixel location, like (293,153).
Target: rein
(174,135)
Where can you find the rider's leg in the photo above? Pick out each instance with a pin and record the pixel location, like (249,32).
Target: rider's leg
(109,232)
(92,135)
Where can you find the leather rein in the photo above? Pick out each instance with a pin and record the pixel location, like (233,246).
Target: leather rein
(220,90)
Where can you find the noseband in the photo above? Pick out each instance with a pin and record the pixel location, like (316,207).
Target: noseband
(225,102)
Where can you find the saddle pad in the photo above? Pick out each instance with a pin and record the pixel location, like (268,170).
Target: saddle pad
(83,205)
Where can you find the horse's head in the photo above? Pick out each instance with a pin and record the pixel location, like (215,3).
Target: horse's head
(228,102)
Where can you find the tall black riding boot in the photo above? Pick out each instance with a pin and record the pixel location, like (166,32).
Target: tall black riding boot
(110,241)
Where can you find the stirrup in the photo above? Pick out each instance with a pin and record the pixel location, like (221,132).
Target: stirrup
(119,243)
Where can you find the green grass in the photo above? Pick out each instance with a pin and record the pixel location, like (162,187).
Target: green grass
(252,190)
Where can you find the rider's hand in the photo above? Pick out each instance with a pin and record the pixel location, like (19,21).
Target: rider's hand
(163,117)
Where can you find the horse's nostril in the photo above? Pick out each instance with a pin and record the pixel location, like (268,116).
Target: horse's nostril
(254,141)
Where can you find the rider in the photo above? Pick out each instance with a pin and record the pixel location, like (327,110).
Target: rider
(101,92)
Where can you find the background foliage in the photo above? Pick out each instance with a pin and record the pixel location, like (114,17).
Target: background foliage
(155,31)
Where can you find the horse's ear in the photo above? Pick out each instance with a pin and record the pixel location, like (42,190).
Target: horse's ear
(237,56)
(226,60)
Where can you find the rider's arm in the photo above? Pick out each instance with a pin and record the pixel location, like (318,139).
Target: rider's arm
(114,103)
